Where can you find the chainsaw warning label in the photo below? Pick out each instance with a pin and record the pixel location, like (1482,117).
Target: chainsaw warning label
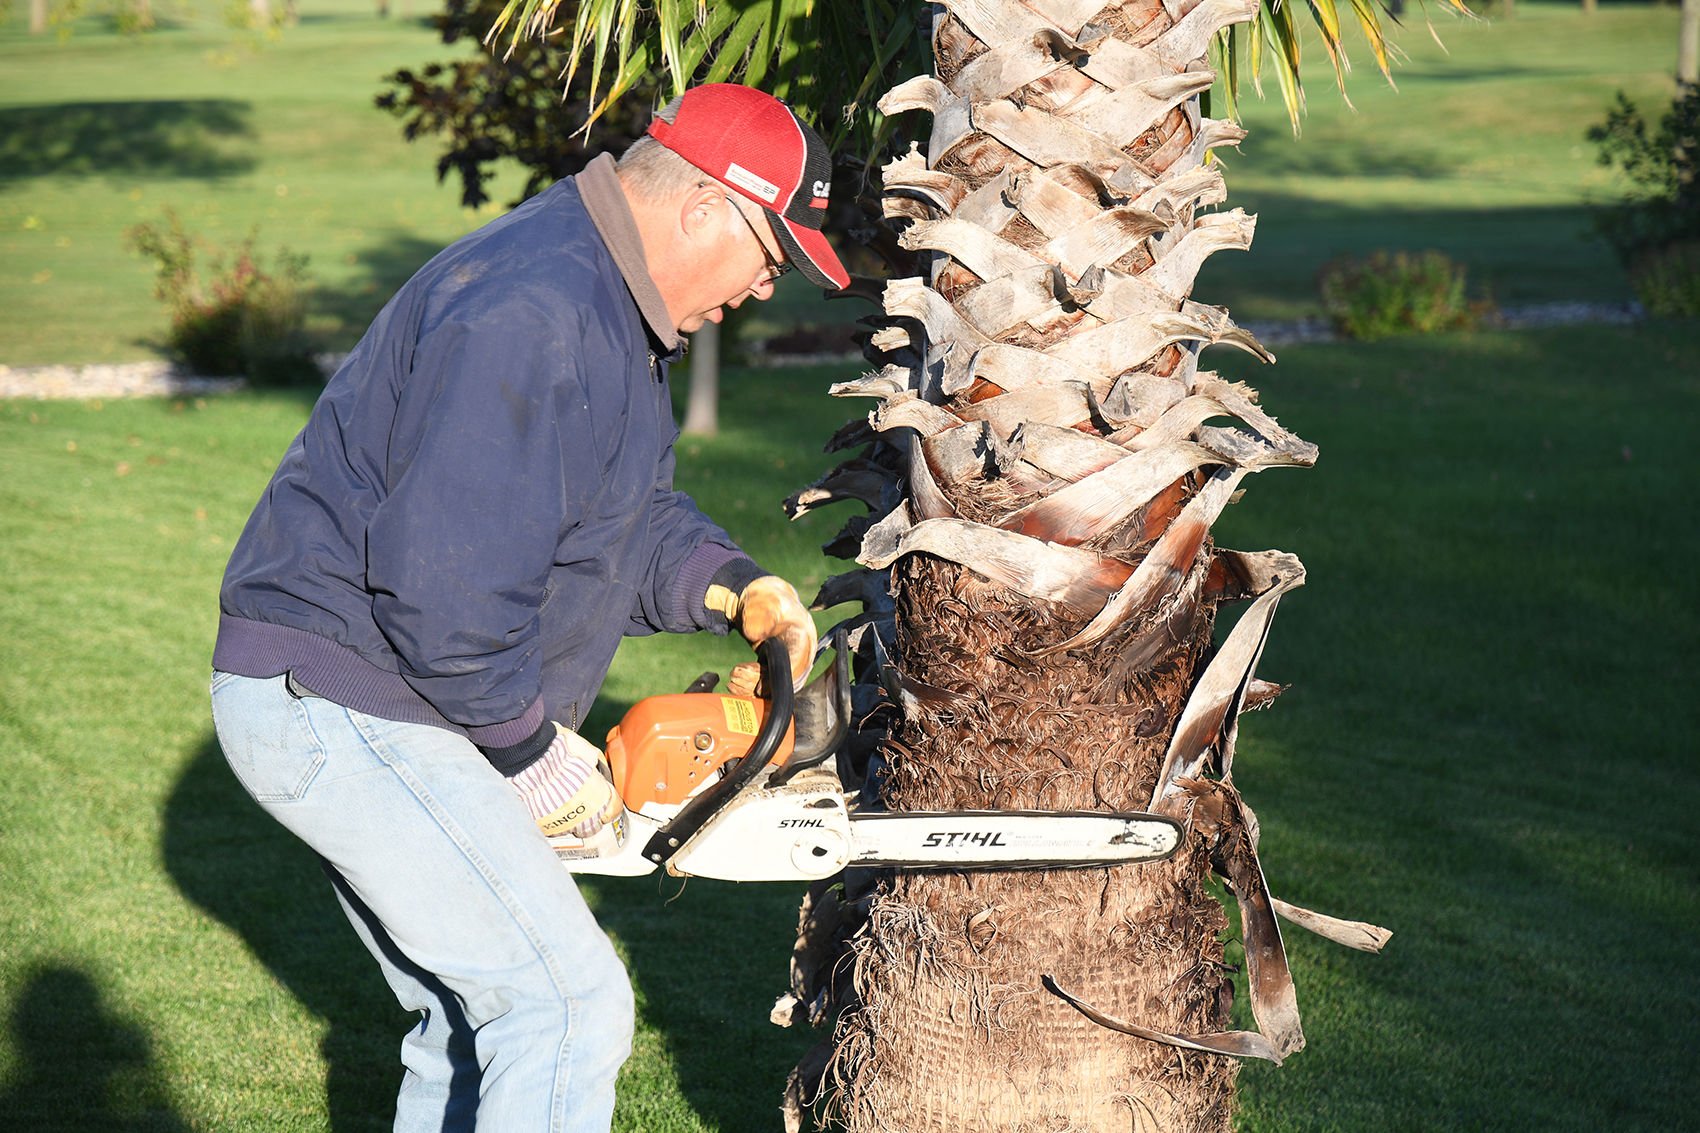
(740,716)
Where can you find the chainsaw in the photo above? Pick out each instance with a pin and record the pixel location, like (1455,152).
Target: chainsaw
(743,788)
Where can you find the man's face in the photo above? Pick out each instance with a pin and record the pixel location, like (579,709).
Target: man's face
(745,260)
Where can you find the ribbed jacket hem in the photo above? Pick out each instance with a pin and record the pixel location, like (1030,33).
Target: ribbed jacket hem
(257,649)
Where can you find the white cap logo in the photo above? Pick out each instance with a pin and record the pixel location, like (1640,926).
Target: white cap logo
(737,175)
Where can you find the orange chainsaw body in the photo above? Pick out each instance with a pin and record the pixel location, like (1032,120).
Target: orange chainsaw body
(667,747)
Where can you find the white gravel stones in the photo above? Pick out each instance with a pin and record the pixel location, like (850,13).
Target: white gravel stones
(130,379)
(162,379)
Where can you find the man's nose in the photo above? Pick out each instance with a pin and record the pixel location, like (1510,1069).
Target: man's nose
(758,291)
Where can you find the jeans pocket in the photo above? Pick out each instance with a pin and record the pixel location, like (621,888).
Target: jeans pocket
(268,738)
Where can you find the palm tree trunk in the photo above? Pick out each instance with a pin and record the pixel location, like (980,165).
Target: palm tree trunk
(1055,591)
(955,1030)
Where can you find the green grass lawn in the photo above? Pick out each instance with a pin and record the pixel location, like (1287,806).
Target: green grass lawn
(1485,748)
(1485,745)
(236,132)
(1480,152)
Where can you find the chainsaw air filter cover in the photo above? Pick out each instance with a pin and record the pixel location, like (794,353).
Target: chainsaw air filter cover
(667,748)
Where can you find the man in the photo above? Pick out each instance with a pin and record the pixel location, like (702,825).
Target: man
(428,595)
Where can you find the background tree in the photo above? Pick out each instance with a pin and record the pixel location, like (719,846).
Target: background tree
(130,16)
(1688,43)
(1038,577)
(507,106)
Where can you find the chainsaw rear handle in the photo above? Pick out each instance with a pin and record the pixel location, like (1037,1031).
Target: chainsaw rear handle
(775,662)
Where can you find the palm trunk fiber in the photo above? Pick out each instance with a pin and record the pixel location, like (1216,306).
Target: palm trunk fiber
(956,1031)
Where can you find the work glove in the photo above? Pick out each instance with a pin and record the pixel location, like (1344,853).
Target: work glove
(570,794)
(769,607)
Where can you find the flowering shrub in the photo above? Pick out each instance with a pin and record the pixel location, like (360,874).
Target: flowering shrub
(1393,293)
(239,318)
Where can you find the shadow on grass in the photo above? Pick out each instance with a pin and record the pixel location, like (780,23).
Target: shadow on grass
(706,963)
(78,1064)
(1273,152)
(342,311)
(402,14)
(1513,256)
(167,138)
(707,959)
(230,858)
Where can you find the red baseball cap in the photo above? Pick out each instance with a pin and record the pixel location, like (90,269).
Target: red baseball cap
(753,143)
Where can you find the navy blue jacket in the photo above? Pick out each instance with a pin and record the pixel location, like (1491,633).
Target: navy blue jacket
(481,503)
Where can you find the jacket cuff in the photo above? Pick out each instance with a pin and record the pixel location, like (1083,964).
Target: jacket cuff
(514,758)
(510,735)
(701,568)
(737,574)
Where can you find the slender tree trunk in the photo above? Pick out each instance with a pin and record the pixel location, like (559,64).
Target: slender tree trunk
(1055,589)
(260,11)
(702,403)
(38,17)
(1589,7)
(1688,43)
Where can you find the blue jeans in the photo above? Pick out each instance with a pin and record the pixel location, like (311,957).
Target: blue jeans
(525,1009)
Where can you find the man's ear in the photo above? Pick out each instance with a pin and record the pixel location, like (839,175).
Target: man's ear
(699,213)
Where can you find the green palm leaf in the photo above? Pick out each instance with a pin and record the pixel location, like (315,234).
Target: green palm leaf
(828,57)
(824,58)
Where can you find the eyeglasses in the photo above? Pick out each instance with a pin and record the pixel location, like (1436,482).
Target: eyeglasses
(775,269)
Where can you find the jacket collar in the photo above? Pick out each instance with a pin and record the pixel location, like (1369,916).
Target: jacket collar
(605,201)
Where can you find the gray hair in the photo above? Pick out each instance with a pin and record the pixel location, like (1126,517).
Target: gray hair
(652,172)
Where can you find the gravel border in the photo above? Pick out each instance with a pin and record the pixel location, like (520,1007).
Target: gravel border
(162,379)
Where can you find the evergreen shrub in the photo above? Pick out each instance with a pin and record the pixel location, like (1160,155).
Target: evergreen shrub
(1655,230)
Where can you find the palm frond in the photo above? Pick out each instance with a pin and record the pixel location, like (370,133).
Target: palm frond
(825,59)
(1276,24)
(1274,35)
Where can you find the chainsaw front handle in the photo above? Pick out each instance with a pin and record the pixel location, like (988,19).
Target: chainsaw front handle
(775,662)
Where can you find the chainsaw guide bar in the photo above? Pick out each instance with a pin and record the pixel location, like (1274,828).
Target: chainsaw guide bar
(1007,839)
(774,806)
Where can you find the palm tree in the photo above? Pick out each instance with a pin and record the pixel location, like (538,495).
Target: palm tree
(1041,473)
